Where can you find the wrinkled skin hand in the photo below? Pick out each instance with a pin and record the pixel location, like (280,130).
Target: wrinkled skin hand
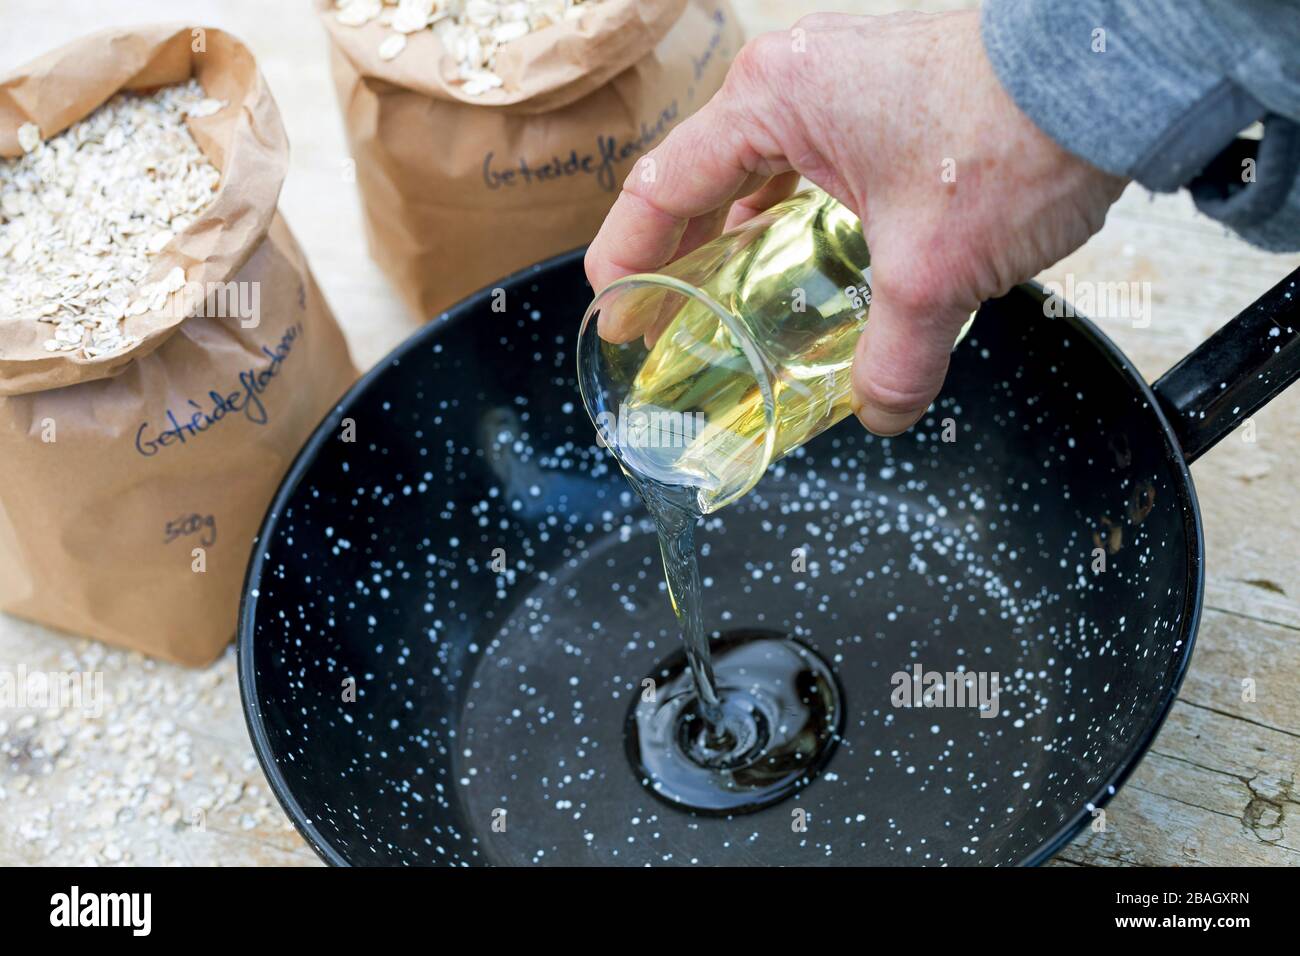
(873,110)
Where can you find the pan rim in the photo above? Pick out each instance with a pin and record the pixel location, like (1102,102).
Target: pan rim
(1048,848)
(1192,603)
(288,486)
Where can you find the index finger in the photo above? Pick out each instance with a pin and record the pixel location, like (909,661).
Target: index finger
(702,165)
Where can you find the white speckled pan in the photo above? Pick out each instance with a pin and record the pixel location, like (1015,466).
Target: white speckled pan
(475,567)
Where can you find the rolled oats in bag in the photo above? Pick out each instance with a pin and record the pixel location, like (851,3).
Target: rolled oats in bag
(164,349)
(490,134)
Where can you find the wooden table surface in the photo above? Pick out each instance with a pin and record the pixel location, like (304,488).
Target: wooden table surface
(167,773)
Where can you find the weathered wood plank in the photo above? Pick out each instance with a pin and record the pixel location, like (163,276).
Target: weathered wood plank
(1219,785)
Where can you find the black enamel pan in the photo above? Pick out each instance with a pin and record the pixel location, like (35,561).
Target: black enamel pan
(446,617)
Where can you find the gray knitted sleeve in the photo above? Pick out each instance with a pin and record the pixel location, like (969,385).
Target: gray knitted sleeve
(1157,90)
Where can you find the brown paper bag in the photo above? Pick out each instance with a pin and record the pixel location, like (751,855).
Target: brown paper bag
(131,485)
(460,190)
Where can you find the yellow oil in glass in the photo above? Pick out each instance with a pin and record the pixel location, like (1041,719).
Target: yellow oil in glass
(796,285)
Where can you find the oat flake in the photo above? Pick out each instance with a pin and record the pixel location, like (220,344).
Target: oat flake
(29,137)
(392,46)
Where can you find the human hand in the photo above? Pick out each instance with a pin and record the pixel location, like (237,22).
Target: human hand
(874,110)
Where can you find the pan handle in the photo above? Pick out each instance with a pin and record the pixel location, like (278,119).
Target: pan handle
(1234,372)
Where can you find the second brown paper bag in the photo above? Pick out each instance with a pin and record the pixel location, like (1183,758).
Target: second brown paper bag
(461,190)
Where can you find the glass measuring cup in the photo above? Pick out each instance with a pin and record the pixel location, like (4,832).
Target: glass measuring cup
(702,375)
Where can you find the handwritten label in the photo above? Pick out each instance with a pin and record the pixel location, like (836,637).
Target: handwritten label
(701,62)
(609,151)
(246,400)
(599,163)
(203,525)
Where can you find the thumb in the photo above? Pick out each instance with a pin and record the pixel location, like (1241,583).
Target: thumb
(902,358)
